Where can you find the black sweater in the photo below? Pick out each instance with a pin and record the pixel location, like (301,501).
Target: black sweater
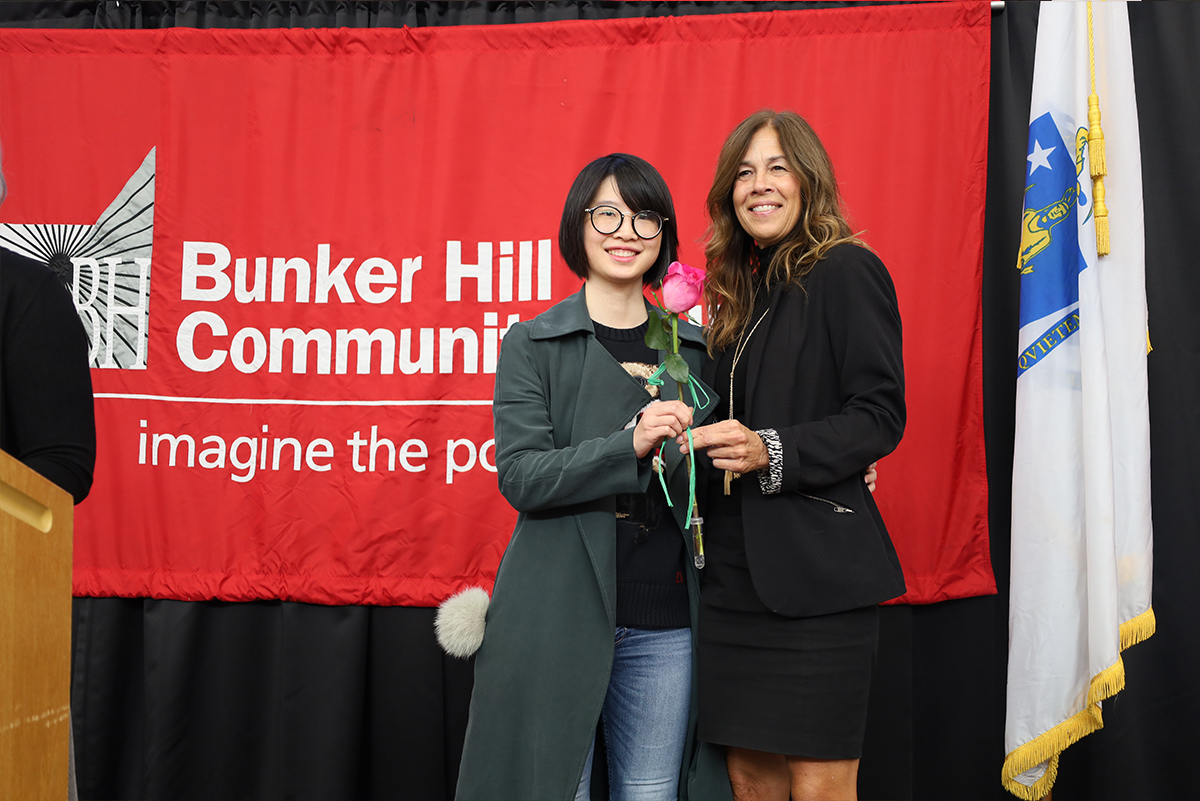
(46,417)
(651,591)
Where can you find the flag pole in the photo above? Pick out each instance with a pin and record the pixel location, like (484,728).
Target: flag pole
(1096,155)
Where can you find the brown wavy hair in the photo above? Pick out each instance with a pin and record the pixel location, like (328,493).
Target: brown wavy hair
(729,289)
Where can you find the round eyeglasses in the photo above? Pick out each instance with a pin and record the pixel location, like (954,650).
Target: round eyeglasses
(608,220)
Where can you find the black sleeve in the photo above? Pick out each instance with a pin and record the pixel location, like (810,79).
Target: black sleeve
(45,382)
(864,337)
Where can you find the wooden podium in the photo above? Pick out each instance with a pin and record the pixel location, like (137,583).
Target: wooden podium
(35,634)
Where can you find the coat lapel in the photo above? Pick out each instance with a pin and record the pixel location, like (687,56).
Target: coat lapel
(756,348)
(608,396)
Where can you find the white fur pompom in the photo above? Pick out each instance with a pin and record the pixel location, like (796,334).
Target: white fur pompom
(460,620)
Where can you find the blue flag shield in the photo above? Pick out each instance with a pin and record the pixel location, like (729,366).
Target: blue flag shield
(1050,259)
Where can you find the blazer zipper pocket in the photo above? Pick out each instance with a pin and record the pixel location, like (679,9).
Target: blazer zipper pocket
(837,507)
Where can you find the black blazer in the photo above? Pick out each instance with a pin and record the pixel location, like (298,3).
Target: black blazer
(825,370)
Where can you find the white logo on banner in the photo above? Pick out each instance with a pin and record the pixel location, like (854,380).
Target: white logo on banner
(106,268)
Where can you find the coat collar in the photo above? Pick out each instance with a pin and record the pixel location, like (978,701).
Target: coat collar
(602,377)
(565,317)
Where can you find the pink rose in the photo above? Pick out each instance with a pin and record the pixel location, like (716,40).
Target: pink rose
(682,288)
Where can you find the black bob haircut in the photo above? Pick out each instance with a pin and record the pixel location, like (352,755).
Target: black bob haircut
(642,189)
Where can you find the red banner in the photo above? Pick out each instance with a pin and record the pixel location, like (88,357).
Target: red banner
(297,251)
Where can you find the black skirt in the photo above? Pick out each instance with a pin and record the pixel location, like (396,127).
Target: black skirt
(795,686)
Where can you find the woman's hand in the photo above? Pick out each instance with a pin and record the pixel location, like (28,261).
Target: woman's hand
(730,445)
(660,421)
(871,476)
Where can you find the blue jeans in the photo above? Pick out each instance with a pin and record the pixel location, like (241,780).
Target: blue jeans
(645,715)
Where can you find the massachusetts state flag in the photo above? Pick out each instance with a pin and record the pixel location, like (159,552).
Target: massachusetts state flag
(1081,536)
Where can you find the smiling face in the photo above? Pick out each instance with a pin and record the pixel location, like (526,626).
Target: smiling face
(621,257)
(766,191)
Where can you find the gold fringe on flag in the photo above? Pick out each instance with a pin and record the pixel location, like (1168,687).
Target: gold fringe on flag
(1138,629)
(1047,747)
(1096,155)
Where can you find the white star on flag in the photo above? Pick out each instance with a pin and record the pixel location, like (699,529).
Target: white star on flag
(1040,157)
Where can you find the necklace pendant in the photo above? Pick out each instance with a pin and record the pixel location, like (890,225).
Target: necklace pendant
(728,481)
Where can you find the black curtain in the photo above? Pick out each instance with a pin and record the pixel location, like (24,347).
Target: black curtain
(350,14)
(275,700)
(267,700)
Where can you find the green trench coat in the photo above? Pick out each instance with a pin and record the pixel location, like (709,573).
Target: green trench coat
(562,454)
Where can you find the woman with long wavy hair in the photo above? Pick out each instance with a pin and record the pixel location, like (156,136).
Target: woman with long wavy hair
(805,346)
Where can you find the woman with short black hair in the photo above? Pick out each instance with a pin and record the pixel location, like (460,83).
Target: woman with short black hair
(595,601)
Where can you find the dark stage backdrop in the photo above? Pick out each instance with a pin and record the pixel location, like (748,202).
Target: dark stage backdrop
(274,700)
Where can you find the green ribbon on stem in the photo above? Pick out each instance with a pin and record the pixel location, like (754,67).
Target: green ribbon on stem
(700,398)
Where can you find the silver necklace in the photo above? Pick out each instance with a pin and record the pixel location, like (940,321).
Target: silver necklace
(737,357)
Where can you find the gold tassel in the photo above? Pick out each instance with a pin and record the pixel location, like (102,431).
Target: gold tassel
(1099,167)
(1100,210)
